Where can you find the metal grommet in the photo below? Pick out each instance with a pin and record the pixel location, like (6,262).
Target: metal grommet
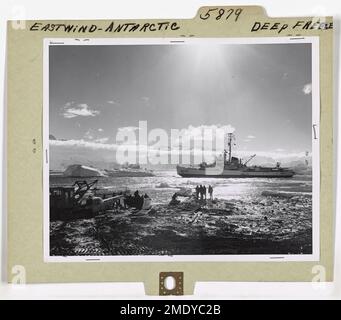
(177,290)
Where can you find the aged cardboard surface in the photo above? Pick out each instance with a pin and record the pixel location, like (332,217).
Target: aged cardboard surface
(24,165)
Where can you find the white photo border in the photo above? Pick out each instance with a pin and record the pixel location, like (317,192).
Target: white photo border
(315,256)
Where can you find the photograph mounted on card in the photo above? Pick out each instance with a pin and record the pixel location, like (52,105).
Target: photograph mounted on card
(200,148)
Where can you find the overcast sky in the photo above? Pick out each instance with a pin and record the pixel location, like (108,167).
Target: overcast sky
(263,91)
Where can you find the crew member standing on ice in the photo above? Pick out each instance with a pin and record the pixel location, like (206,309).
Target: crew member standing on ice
(210,191)
(201,190)
(197,192)
(205,192)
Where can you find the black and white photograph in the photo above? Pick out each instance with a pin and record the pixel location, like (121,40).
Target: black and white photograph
(188,150)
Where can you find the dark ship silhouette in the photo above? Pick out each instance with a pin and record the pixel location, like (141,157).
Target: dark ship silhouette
(227,166)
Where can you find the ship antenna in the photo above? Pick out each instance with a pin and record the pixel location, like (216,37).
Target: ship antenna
(229,144)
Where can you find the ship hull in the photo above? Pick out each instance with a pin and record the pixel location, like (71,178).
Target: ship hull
(202,173)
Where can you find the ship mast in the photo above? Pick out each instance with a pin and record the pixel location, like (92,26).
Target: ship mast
(229,144)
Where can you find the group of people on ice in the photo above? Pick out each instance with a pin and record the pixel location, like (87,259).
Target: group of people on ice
(201,192)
